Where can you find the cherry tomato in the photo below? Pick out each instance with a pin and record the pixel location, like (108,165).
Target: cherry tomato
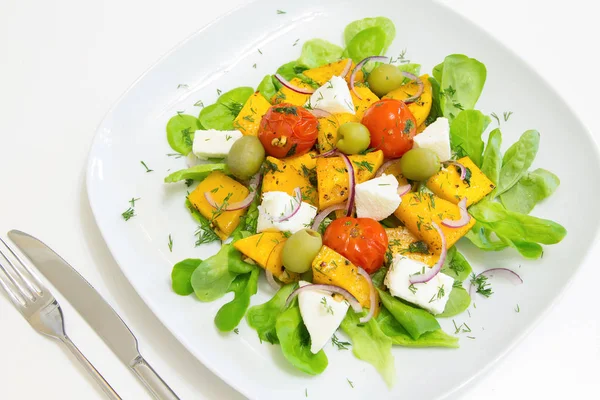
(287,130)
(363,241)
(392,127)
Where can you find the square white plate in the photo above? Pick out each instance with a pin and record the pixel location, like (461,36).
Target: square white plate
(221,56)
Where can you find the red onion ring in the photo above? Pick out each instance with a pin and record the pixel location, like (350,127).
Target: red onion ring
(346,68)
(298,198)
(272,282)
(323,214)
(330,153)
(464,216)
(385,166)
(433,271)
(328,288)
(372,296)
(508,273)
(402,190)
(319,113)
(253,185)
(419,82)
(296,89)
(351,184)
(359,66)
(463,169)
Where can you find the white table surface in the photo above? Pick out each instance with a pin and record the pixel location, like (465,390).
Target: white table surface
(63,63)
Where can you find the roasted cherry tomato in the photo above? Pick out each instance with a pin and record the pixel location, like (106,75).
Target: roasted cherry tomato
(363,241)
(287,130)
(392,127)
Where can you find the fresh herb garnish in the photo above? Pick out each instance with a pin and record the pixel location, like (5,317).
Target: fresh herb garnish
(182,86)
(127,215)
(364,165)
(219,91)
(205,233)
(482,284)
(288,110)
(518,309)
(350,383)
(326,305)
(199,103)
(408,126)
(412,288)
(132,201)
(271,167)
(189,182)
(236,331)
(418,247)
(145,166)
(170,243)
(292,150)
(254,65)
(437,296)
(507,115)
(176,155)
(281,12)
(340,345)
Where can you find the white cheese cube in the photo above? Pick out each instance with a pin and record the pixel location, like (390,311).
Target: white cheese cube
(435,137)
(322,315)
(377,198)
(333,97)
(431,296)
(279,204)
(214,144)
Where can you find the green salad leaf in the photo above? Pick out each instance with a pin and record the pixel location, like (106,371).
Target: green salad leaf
(458,301)
(492,157)
(317,52)
(262,317)
(385,24)
(212,278)
(456,265)
(465,134)
(197,172)
(370,344)
(517,160)
(180,132)
(220,115)
(244,286)
(368,42)
(527,249)
(181,276)
(461,82)
(291,70)
(415,320)
(295,342)
(401,337)
(436,107)
(530,190)
(267,87)
(411,68)
(480,236)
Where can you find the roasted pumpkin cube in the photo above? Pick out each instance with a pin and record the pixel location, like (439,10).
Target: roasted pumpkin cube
(223,190)
(324,73)
(367,98)
(285,95)
(418,210)
(265,249)
(248,120)
(422,106)
(328,129)
(448,185)
(394,169)
(402,242)
(287,174)
(332,176)
(331,268)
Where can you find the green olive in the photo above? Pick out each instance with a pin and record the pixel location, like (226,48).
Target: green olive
(245,157)
(385,78)
(301,249)
(353,137)
(419,164)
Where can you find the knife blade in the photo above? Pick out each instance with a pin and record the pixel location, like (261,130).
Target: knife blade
(93,309)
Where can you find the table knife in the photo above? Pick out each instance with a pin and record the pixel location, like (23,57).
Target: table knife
(93,308)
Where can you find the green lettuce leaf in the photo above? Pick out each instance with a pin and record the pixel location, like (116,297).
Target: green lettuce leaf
(262,317)
(517,160)
(465,134)
(317,52)
(291,70)
(181,276)
(480,236)
(456,265)
(458,301)
(220,115)
(401,337)
(244,286)
(530,190)
(492,157)
(368,42)
(267,87)
(180,132)
(386,25)
(197,172)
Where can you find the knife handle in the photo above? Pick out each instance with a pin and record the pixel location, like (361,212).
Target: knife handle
(159,389)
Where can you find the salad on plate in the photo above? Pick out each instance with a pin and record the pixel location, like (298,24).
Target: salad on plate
(347,178)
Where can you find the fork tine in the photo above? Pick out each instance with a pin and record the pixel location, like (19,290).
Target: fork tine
(18,300)
(23,286)
(33,282)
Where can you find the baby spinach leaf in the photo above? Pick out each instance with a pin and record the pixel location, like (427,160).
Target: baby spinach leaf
(400,336)
(317,52)
(465,134)
(527,249)
(458,301)
(267,88)
(181,276)
(386,24)
(436,108)
(244,286)
(291,70)
(212,278)
(480,236)
(456,265)
(370,344)
(517,160)
(262,317)
(197,172)
(295,342)
(530,190)
(180,132)
(492,157)
(220,115)
(368,42)
(461,81)
(415,320)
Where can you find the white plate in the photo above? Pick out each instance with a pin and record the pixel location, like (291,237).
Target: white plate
(222,56)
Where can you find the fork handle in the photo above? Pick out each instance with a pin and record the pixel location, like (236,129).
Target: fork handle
(159,388)
(104,385)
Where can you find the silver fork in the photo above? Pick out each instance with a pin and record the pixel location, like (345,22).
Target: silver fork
(41,310)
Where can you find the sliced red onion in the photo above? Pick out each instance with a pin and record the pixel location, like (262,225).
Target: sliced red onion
(320,113)
(464,216)
(330,153)
(351,184)
(271,280)
(463,169)
(402,190)
(372,296)
(384,167)
(327,288)
(346,68)
(296,89)
(323,214)
(253,185)
(508,274)
(359,66)
(419,82)
(433,271)
(295,209)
